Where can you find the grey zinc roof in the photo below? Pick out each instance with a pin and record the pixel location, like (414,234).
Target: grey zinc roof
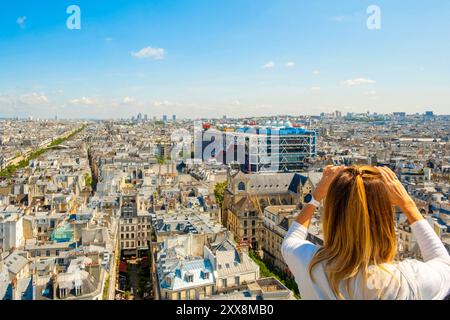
(15,262)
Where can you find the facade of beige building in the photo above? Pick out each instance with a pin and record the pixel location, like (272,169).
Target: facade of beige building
(247,195)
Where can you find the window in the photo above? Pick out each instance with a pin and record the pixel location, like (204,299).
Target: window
(236,280)
(179,295)
(241,186)
(224,283)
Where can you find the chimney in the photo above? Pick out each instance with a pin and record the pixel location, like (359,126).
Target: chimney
(53,282)
(242,249)
(15,295)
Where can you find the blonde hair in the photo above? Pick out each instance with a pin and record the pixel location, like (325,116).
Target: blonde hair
(358,226)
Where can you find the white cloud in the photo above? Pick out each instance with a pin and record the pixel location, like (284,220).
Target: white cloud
(290,64)
(236,103)
(34,98)
(82,101)
(315,88)
(269,65)
(108,39)
(161,103)
(316,72)
(371,93)
(358,81)
(127,100)
(339,18)
(150,53)
(21,21)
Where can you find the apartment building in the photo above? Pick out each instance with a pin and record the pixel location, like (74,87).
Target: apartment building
(134,225)
(191,268)
(247,195)
(11,228)
(277,220)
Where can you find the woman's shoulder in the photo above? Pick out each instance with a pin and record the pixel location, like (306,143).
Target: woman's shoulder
(307,251)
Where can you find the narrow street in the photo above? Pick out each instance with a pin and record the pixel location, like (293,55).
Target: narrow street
(134,280)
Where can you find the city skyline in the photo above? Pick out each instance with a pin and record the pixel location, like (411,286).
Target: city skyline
(243,58)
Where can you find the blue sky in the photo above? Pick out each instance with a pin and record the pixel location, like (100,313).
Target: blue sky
(233,57)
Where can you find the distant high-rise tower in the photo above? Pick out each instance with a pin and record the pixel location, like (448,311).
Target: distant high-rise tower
(164,118)
(174,118)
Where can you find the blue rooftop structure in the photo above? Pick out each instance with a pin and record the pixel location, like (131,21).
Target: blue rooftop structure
(62,234)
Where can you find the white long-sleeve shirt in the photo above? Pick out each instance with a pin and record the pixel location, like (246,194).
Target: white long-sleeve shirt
(408,279)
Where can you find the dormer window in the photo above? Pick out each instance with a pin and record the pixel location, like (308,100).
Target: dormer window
(205,275)
(241,186)
(189,277)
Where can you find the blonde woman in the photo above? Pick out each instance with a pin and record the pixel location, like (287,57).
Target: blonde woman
(357,257)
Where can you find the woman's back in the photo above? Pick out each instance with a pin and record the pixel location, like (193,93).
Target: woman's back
(405,280)
(357,258)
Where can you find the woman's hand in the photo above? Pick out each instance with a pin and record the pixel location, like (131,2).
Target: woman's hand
(329,173)
(399,196)
(397,192)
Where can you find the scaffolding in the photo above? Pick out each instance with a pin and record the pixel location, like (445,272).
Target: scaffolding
(281,150)
(274,149)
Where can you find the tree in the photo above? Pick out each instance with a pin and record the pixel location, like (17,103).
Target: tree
(219,191)
(160,160)
(88,180)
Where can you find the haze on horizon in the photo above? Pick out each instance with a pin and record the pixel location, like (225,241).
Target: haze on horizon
(228,57)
